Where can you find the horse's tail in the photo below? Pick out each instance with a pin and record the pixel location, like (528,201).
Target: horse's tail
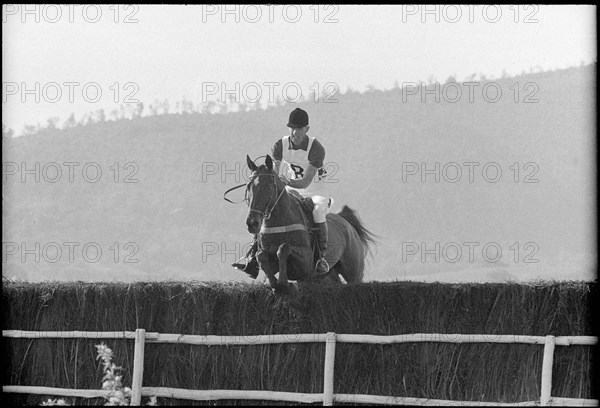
(366,237)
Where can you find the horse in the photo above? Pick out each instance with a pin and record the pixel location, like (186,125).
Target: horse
(284,236)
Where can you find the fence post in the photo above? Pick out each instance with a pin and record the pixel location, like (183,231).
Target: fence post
(547,370)
(328,372)
(138,367)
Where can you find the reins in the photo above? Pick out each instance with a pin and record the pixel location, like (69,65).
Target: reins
(235,188)
(241,185)
(267,213)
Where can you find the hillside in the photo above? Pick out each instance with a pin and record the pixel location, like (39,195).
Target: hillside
(175,223)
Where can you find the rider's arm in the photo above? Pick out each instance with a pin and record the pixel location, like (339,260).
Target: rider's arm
(305,181)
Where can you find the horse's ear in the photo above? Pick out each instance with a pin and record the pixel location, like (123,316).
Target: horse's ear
(269,162)
(251,164)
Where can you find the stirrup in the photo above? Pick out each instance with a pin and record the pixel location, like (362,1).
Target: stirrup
(326,264)
(251,268)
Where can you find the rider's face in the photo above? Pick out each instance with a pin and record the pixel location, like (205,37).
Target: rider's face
(298,134)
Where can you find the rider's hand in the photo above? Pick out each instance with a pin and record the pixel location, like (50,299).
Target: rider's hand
(284,180)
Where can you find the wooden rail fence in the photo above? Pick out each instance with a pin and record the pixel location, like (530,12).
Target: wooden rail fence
(328,397)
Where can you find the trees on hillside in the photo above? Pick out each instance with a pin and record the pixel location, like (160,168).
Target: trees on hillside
(7,132)
(232,104)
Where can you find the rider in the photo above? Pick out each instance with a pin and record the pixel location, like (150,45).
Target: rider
(303,157)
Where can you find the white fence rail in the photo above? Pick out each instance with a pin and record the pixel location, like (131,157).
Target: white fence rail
(328,397)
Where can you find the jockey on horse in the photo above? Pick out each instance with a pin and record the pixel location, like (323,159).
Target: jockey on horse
(304,156)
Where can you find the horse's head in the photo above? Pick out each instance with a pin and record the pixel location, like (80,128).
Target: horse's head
(264,190)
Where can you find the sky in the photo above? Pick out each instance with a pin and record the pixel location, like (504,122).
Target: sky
(65,59)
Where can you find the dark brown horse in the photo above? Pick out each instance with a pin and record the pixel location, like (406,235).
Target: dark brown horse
(284,239)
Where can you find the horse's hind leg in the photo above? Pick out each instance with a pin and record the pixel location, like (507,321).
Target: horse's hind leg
(352,269)
(335,272)
(333,275)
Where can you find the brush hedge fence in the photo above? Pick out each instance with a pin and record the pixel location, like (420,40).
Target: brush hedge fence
(462,372)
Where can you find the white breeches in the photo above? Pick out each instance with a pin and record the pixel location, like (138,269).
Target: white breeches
(321,208)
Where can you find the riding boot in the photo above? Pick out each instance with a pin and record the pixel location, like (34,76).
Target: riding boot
(322,266)
(250,266)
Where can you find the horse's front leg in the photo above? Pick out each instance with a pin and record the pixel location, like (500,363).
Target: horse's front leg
(282,255)
(268,267)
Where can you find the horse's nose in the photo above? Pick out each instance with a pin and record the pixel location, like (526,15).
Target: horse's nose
(252,224)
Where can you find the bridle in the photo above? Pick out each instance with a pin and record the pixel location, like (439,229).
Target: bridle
(266,214)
